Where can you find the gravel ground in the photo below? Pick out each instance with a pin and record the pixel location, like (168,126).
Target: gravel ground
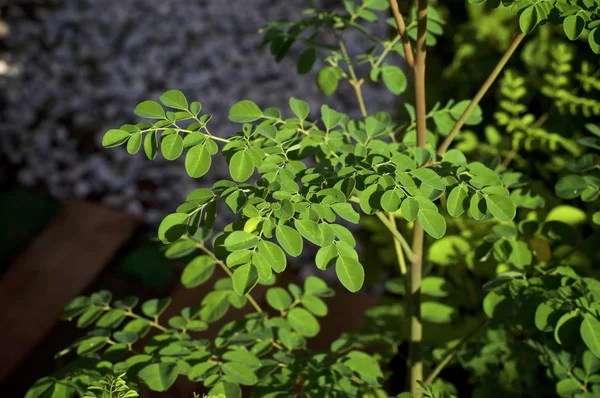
(71,69)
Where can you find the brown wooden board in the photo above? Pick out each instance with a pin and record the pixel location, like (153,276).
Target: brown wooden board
(57,266)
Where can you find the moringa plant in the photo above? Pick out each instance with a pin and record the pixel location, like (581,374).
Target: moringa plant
(488,223)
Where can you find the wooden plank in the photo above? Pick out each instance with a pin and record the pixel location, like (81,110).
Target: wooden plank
(60,264)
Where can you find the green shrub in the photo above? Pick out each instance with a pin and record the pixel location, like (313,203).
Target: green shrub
(500,203)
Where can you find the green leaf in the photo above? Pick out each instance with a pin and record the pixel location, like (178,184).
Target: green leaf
(366,367)
(134,144)
(174,99)
(409,209)
(115,137)
(278,298)
(390,201)
(111,319)
(567,387)
(590,333)
(159,376)
(528,19)
(239,373)
(289,239)
(393,78)
(303,322)
(429,177)
(149,110)
(474,118)
(327,80)
(300,108)
(374,127)
(449,250)
(151,145)
(241,166)
(229,390)
(330,117)
(244,112)
(435,286)
(571,186)
(201,371)
(520,256)
(456,201)
(346,211)
(596,218)
(239,240)
(573,26)
(75,307)
(244,279)
(155,307)
(172,227)
(591,363)
(306,61)
(477,208)
(542,316)
(594,40)
(197,161)
(171,146)
(310,230)
(273,255)
(314,305)
(325,256)
(501,207)
(437,312)
(91,345)
(243,357)
(195,108)
(215,305)
(567,327)
(316,286)
(198,271)
(350,273)
(432,222)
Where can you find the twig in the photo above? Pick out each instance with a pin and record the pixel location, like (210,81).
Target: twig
(452,353)
(228,272)
(408,52)
(354,80)
(484,88)
(390,224)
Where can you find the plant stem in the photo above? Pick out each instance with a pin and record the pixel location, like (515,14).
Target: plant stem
(228,272)
(452,353)
(486,85)
(397,247)
(354,80)
(390,224)
(414,305)
(408,53)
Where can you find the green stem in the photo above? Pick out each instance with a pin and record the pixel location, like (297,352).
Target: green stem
(486,86)
(390,224)
(397,247)
(228,272)
(354,80)
(452,353)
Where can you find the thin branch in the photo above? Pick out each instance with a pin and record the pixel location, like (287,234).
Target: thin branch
(390,224)
(397,247)
(408,52)
(354,80)
(486,86)
(228,272)
(452,353)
